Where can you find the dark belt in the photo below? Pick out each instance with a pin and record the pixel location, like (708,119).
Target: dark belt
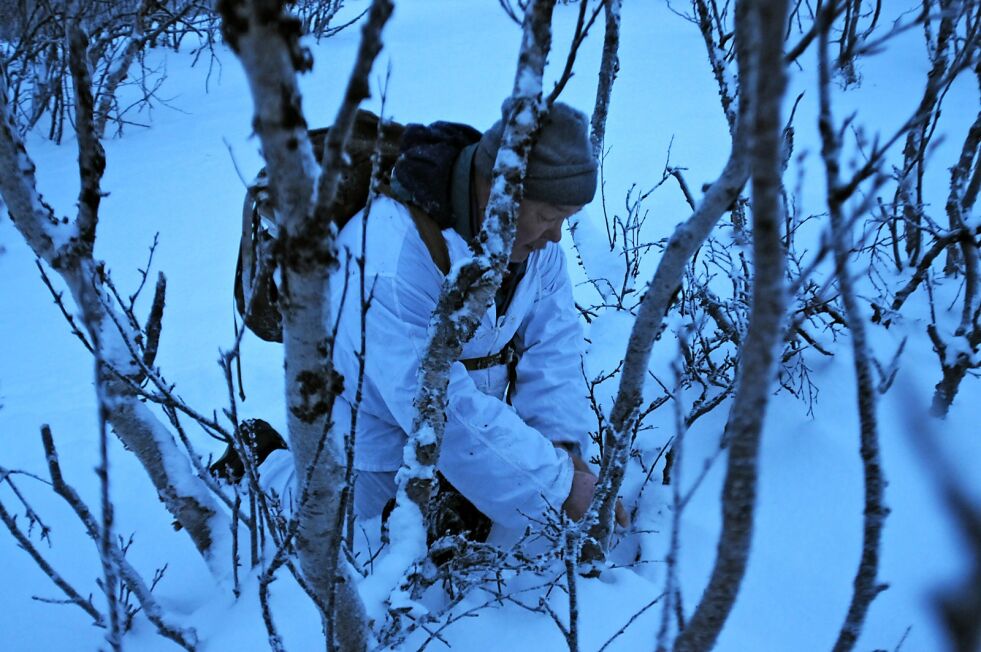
(508,356)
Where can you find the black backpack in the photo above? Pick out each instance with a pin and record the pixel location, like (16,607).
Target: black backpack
(258,290)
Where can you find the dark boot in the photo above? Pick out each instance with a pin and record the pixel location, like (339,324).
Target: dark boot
(454,514)
(257,434)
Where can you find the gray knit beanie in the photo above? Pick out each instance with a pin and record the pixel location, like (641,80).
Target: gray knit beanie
(561,168)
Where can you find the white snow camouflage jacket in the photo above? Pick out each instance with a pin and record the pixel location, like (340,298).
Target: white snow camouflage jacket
(499,456)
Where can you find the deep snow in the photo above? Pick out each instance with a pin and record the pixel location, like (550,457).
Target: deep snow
(455,61)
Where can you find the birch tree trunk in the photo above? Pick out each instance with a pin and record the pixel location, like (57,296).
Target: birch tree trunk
(684,242)
(765,20)
(609,68)
(266,40)
(866,586)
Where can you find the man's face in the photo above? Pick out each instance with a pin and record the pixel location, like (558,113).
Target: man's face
(538,224)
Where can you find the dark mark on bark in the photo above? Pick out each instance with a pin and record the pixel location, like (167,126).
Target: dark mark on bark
(233,24)
(292,109)
(314,389)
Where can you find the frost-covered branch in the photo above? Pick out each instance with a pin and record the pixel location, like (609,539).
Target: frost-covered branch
(119,68)
(609,68)
(467,291)
(945,66)
(760,23)
(728,88)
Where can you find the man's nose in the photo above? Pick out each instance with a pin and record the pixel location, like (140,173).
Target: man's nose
(554,234)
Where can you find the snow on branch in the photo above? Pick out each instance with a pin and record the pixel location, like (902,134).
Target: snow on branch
(467,291)
(52,238)
(119,67)
(66,245)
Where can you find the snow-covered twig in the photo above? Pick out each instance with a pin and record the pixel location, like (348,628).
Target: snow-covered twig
(573,542)
(609,67)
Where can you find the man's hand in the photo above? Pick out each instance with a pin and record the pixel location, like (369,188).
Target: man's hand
(581,494)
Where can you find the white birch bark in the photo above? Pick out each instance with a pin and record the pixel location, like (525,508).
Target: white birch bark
(909,195)
(266,40)
(609,68)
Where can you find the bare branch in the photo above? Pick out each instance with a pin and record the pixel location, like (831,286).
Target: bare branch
(470,286)
(91,157)
(119,68)
(582,30)
(25,543)
(67,247)
(866,584)
(684,242)
(266,40)
(154,323)
(111,553)
(766,84)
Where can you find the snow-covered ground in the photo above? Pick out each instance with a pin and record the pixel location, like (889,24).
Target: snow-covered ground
(455,61)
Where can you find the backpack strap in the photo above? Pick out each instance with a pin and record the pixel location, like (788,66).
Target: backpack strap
(432,237)
(429,231)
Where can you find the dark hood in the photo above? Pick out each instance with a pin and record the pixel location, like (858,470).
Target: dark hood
(423,173)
